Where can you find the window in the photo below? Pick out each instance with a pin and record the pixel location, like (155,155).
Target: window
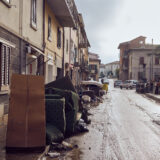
(141,60)
(157,61)
(93,67)
(67,45)
(49,29)
(58,38)
(75,54)
(5,63)
(141,75)
(34,13)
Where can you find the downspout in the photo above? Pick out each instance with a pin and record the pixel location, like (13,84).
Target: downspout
(70,55)
(63,69)
(44,45)
(70,47)
(21,32)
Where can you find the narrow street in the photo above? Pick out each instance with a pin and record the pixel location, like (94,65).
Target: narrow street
(124,127)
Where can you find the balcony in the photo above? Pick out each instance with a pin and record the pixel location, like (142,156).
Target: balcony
(83,44)
(84,67)
(65,11)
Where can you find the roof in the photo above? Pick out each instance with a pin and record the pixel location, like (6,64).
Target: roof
(128,42)
(115,62)
(93,55)
(102,65)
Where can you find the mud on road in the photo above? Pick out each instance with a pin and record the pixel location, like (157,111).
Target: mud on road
(122,128)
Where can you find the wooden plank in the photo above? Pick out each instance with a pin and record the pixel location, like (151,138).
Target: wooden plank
(26,118)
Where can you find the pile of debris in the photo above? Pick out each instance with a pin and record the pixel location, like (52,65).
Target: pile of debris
(92,92)
(56,108)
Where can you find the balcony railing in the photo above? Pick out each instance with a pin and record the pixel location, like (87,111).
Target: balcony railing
(84,66)
(65,11)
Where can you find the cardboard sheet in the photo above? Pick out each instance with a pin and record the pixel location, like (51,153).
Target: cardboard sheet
(26,118)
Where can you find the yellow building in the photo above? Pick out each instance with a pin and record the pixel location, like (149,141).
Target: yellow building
(57,16)
(94,64)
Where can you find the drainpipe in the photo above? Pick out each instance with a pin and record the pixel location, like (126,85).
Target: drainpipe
(21,32)
(44,45)
(63,69)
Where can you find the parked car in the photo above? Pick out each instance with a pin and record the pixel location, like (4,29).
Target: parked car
(134,83)
(117,83)
(105,81)
(128,84)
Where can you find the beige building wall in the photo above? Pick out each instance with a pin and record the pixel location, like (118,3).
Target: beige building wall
(12,21)
(32,34)
(74,44)
(67,36)
(135,67)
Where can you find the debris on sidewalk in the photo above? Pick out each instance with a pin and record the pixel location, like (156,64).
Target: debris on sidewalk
(53,154)
(64,114)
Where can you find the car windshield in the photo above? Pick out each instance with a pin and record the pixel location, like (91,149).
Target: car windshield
(126,82)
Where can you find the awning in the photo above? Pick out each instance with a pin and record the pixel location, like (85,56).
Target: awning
(8,43)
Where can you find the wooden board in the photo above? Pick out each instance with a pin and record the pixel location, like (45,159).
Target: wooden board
(26,118)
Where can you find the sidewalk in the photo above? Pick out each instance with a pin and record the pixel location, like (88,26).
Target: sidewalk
(12,156)
(153,96)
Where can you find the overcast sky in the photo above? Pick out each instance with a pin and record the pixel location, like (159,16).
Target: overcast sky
(110,22)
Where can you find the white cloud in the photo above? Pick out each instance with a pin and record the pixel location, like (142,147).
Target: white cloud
(110,22)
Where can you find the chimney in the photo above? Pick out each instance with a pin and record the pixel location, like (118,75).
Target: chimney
(152,41)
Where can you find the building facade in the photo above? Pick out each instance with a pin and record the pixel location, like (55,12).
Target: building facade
(139,61)
(41,37)
(21,42)
(94,65)
(111,69)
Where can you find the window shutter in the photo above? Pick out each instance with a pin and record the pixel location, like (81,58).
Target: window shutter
(7,66)
(2,65)
(156,60)
(141,60)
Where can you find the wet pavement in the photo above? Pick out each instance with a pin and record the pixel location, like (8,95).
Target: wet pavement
(124,127)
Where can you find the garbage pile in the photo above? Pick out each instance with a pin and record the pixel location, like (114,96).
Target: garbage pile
(62,110)
(92,92)
(49,113)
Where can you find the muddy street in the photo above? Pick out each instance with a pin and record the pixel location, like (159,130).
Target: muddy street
(124,127)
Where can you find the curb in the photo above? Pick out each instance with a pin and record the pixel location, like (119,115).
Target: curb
(153,97)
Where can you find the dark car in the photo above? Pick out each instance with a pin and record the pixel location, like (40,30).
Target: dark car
(117,83)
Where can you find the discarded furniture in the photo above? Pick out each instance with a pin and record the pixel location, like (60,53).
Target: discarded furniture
(64,83)
(93,86)
(55,118)
(71,106)
(26,117)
